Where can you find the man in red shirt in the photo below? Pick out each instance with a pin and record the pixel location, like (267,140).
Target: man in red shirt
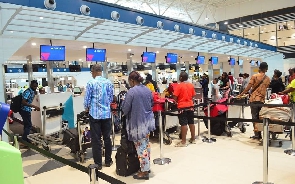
(183,95)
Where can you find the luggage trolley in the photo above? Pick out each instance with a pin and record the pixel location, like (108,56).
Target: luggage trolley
(51,127)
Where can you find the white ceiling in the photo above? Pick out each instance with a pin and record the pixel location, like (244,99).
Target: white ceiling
(18,22)
(203,12)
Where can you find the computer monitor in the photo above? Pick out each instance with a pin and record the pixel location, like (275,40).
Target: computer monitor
(52,53)
(214,60)
(200,60)
(240,62)
(232,61)
(149,57)
(93,54)
(171,58)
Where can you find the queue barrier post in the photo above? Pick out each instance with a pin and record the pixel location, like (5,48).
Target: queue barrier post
(265,152)
(114,146)
(198,112)
(161,160)
(209,139)
(292,151)
(15,141)
(92,168)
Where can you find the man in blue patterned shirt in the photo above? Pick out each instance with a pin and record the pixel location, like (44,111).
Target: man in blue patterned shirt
(97,101)
(25,112)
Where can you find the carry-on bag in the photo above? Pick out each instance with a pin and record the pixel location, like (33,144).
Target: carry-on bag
(126,163)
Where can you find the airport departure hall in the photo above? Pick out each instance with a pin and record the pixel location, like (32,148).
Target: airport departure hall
(147,91)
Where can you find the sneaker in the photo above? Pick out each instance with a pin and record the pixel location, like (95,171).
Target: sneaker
(192,141)
(180,144)
(109,164)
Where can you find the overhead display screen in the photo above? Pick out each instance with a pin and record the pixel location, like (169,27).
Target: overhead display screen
(252,62)
(200,60)
(93,54)
(52,53)
(171,58)
(149,57)
(241,62)
(214,60)
(232,61)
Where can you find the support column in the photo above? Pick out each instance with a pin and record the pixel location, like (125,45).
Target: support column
(186,63)
(221,68)
(241,69)
(4,137)
(154,72)
(105,69)
(232,70)
(30,68)
(178,70)
(49,76)
(129,63)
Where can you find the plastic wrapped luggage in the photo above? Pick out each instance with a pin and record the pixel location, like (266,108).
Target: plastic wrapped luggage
(11,167)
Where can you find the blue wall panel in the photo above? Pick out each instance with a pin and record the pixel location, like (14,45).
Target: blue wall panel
(103,10)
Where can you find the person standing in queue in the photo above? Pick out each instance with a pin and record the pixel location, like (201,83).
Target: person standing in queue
(97,101)
(27,98)
(258,85)
(137,106)
(183,95)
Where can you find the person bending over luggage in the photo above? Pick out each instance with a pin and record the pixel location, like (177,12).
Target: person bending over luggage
(137,107)
(27,99)
(258,85)
(290,90)
(97,101)
(183,95)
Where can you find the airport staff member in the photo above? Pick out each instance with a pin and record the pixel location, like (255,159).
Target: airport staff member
(28,96)
(97,101)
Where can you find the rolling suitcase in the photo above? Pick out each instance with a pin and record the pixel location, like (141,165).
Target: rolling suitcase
(126,163)
(71,139)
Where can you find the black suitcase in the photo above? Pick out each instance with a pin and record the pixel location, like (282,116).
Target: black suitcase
(217,126)
(71,139)
(126,163)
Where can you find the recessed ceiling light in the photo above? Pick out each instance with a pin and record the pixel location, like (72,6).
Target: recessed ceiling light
(247,58)
(41,18)
(34,44)
(261,31)
(192,56)
(11,31)
(80,59)
(225,23)
(84,47)
(248,33)
(252,27)
(265,28)
(228,57)
(151,41)
(157,51)
(241,26)
(129,50)
(206,18)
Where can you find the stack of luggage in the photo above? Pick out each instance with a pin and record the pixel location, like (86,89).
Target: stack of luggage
(127,162)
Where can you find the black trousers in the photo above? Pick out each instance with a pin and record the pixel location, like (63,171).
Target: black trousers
(27,122)
(255,114)
(98,128)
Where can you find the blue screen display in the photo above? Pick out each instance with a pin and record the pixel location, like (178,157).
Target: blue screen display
(93,54)
(258,63)
(149,57)
(52,53)
(171,58)
(252,62)
(241,62)
(200,60)
(232,61)
(214,60)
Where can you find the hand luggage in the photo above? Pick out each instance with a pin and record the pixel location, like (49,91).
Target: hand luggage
(217,126)
(71,139)
(126,163)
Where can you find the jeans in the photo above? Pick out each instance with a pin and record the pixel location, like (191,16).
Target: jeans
(144,153)
(98,128)
(255,115)
(27,122)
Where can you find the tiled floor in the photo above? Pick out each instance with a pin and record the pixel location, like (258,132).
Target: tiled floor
(236,160)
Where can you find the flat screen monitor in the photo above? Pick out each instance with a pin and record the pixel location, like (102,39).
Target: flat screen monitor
(52,53)
(200,60)
(171,58)
(93,54)
(252,62)
(258,63)
(214,60)
(240,62)
(149,57)
(232,61)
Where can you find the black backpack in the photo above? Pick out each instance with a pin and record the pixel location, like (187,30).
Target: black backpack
(16,103)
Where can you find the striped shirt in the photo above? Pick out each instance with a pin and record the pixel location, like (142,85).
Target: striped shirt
(28,95)
(98,97)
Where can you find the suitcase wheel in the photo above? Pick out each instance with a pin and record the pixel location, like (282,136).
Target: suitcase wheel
(229,134)
(243,129)
(168,141)
(46,147)
(280,144)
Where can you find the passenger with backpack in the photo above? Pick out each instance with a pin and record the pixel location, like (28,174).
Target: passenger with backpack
(23,104)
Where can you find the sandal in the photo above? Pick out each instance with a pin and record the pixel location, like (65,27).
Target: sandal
(180,144)
(192,141)
(143,177)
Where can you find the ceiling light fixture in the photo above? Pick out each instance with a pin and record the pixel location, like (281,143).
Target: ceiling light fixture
(241,26)
(80,59)
(158,52)
(34,44)
(11,31)
(192,56)
(129,50)
(206,18)
(41,18)
(225,23)
(252,27)
(84,47)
